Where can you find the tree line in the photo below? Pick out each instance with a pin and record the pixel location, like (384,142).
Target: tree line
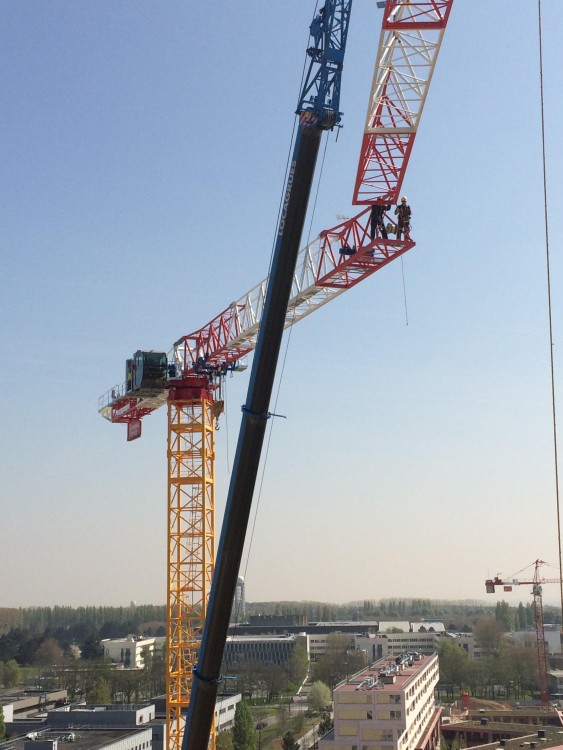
(505,669)
(149,617)
(40,619)
(457,615)
(87,677)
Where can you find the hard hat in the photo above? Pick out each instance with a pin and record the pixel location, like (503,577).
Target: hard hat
(404,199)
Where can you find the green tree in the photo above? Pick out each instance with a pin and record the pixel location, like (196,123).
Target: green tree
(319,696)
(489,632)
(11,673)
(275,680)
(521,617)
(224,740)
(298,663)
(244,734)
(2,725)
(476,676)
(298,723)
(99,692)
(124,683)
(505,615)
(326,724)
(49,654)
(92,648)
(288,742)
(524,670)
(453,664)
(250,674)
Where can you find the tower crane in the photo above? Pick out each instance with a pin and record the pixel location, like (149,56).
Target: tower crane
(189,376)
(536,583)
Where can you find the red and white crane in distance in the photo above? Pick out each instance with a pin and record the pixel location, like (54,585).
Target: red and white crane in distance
(541,647)
(409,43)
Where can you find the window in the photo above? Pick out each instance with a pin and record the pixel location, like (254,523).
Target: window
(396,714)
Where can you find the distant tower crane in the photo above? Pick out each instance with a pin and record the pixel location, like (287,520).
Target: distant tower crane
(189,377)
(537,609)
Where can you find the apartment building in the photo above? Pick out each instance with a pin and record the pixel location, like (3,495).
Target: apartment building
(388,706)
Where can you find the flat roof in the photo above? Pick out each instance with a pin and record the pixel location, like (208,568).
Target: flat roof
(88,739)
(402,678)
(261,638)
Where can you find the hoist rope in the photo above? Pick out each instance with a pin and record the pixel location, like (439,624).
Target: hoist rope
(404,292)
(550,315)
(227,429)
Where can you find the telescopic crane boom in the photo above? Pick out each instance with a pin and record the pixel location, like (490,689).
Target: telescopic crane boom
(188,377)
(317,112)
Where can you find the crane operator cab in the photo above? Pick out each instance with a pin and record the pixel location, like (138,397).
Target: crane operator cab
(146,373)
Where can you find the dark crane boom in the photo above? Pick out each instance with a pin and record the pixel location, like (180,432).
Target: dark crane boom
(317,111)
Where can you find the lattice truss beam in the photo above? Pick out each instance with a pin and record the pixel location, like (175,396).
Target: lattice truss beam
(409,44)
(191,548)
(322,272)
(541,645)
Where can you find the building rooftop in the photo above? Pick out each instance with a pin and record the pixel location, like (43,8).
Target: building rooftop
(88,739)
(346,623)
(264,638)
(403,625)
(384,675)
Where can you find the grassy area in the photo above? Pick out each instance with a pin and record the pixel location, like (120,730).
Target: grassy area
(270,738)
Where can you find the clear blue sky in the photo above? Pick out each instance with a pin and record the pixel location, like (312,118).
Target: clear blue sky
(143,152)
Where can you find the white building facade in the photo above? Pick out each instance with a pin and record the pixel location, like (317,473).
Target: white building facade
(225,707)
(389,706)
(128,653)
(382,645)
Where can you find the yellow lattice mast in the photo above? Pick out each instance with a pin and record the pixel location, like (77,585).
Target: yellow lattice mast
(191,542)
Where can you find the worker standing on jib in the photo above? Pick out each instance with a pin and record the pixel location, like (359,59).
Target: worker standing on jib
(403,213)
(377,220)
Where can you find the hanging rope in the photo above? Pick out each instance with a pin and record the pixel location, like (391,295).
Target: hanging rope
(404,292)
(552,368)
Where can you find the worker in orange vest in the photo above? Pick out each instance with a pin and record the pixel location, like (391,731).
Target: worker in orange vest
(403,213)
